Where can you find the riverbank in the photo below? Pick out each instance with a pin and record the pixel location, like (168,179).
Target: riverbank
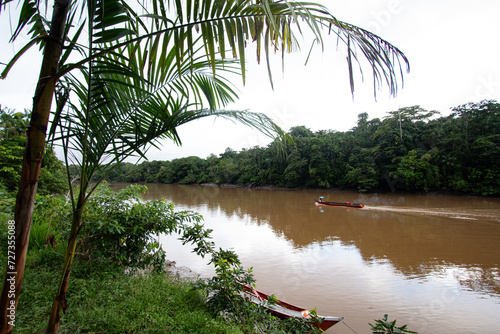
(117,300)
(104,299)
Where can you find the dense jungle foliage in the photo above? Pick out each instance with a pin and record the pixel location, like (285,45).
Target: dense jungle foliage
(411,149)
(13,126)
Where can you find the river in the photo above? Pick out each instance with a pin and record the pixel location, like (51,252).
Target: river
(432,262)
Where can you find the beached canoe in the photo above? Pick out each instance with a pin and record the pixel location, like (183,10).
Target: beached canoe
(285,310)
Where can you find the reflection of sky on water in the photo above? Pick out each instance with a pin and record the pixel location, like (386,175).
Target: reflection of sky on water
(337,279)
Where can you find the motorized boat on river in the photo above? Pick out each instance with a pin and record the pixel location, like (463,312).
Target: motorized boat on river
(346,204)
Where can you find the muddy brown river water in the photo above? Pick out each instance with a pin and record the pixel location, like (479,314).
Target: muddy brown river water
(432,262)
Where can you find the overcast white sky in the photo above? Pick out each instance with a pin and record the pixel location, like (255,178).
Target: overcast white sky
(453,47)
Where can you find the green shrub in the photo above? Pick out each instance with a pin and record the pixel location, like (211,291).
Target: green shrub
(383,326)
(119,228)
(122,229)
(51,217)
(7,199)
(224,296)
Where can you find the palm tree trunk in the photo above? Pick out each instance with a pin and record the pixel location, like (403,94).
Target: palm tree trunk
(59,305)
(25,200)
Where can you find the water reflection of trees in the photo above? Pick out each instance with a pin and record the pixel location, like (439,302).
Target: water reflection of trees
(416,245)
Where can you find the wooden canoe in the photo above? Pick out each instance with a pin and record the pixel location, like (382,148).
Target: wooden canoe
(347,204)
(284,310)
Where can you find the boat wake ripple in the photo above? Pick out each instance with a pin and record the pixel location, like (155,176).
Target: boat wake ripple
(484,215)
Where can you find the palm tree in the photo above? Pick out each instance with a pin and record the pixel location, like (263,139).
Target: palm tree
(120,113)
(171,33)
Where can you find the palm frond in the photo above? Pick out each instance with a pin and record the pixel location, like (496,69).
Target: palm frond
(31,16)
(274,25)
(122,107)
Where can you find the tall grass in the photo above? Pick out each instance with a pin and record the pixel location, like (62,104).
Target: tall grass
(105,300)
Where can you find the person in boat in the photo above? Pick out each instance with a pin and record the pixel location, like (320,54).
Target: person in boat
(321,198)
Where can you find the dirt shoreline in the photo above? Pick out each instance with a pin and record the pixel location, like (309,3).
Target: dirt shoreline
(378,191)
